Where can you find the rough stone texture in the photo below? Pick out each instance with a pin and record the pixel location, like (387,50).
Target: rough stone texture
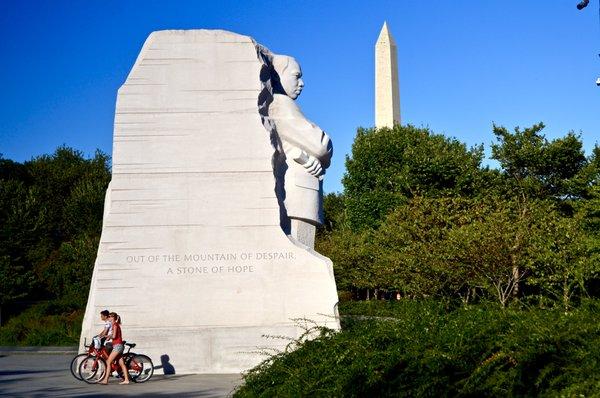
(192,254)
(387,92)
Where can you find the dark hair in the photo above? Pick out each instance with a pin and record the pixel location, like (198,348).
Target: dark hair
(105,313)
(279,63)
(116,316)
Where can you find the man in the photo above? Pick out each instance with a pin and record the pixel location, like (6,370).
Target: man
(307,151)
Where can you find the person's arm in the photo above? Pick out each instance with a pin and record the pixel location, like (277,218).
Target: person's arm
(293,127)
(303,134)
(310,163)
(104,331)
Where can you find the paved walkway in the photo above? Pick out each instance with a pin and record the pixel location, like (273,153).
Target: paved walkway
(48,375)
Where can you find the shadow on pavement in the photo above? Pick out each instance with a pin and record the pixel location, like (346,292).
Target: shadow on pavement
(20,372)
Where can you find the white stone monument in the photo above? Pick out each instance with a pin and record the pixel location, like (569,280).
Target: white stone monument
(206,243)
(387,92)
(307,152)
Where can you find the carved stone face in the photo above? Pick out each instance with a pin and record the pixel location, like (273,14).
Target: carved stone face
(290,75)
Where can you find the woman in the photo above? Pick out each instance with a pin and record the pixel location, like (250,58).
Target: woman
(118,347)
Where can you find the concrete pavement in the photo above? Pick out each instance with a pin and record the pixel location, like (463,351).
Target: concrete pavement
(48,375)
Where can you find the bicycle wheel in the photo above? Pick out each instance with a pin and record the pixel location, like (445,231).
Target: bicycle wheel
(140,368)
(75,365)
(92,369)
(127,358)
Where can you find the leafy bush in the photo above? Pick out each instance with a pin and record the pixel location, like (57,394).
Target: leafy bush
(423,348)
(56,323)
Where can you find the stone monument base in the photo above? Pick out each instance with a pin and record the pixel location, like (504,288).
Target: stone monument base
(192,255)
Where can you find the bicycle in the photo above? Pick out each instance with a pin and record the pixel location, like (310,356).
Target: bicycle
(93,367)
(75,362)
(77,359)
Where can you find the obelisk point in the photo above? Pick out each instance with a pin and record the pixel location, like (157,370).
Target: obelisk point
(387,93)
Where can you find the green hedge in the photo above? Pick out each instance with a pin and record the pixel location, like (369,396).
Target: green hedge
(423,348)
(46,324)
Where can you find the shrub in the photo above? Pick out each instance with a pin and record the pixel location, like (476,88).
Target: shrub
(44,324)
(424,348)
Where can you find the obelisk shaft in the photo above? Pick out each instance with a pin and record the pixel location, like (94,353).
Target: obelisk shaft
(387,93)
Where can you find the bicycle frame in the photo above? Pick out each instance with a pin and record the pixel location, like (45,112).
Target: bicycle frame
(104,354)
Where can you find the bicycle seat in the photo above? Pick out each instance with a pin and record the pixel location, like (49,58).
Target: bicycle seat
(130,345)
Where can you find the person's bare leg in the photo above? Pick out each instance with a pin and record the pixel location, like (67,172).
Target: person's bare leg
(109,361)
(124,370)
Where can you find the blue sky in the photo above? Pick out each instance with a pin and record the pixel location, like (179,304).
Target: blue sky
(463,64)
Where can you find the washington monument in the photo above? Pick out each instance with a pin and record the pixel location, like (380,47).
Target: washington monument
(387,94)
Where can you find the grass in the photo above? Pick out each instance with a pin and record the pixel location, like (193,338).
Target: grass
(44,324)
(426,349)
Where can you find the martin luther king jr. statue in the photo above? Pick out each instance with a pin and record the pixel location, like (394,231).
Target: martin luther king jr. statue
(307,152)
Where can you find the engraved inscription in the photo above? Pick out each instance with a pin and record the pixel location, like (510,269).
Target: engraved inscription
(204,263)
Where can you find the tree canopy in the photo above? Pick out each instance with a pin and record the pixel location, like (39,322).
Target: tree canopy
(420,216)
(388,166)
(543,169)
(50,222)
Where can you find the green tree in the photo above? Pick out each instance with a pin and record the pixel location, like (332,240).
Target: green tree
(464,248)
(334,209)
(568,263)
(72,187)
(23,226)
(420,216)
(539,168)
(388,166)
(50,220)
(68,272)
(352,255)
(15,281)
(407,248)
(454,248)
(500,246)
